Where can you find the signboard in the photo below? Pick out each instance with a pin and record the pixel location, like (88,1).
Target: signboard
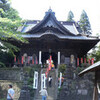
(35,83)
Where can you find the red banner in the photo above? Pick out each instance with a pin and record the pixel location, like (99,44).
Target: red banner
(46,74)
(36,61)
(32,61)
(77,61)
(92,61)
(85,60)
(81,60)
(89,61)
(22,59)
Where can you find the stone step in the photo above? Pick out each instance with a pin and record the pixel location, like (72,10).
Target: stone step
(51,90)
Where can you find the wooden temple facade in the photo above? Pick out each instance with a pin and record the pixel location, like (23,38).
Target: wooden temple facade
(60,39)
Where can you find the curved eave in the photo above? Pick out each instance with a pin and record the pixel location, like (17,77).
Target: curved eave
(91,68)
(60,37)
(61,27)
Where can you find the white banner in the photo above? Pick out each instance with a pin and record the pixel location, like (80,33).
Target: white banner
(43,81)
(60,80)
(35,83)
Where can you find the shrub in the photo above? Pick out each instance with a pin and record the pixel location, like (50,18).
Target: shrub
(62,68)
(2,65)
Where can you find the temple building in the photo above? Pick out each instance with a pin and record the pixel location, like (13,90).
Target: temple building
(62,40)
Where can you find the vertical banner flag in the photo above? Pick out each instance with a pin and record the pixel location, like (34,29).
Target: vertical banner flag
(36,61)
(32,60)
(92,61)
(89,61)
(46,74)
(60,80)
(77,61)
(85,60)
(81,60)
(35,82)
(22,59)
(49,65)
(43,81)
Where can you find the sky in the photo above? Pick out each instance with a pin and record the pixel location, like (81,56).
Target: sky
(35,10)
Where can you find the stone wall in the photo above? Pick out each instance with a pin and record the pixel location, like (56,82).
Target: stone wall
(75,87)
(11,74)
(4,87)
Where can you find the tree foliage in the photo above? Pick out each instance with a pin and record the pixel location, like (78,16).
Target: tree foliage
(9,23)
(70,16)
(96,53)
(84,23)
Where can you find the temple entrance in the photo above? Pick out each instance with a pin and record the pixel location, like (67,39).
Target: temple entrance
(46,55)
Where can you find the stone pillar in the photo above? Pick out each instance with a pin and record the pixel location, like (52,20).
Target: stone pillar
(58,58)
(25,93)
(40,57)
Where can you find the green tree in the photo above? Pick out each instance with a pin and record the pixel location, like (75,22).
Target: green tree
(9,23)
(12,14)
(4,6)
(84,23)
(96,53)
(70,16)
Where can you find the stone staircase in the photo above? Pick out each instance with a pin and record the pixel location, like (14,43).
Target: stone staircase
(52,91)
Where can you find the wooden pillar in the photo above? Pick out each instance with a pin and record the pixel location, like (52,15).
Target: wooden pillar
(58,58)
(40,57)
(95,92)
